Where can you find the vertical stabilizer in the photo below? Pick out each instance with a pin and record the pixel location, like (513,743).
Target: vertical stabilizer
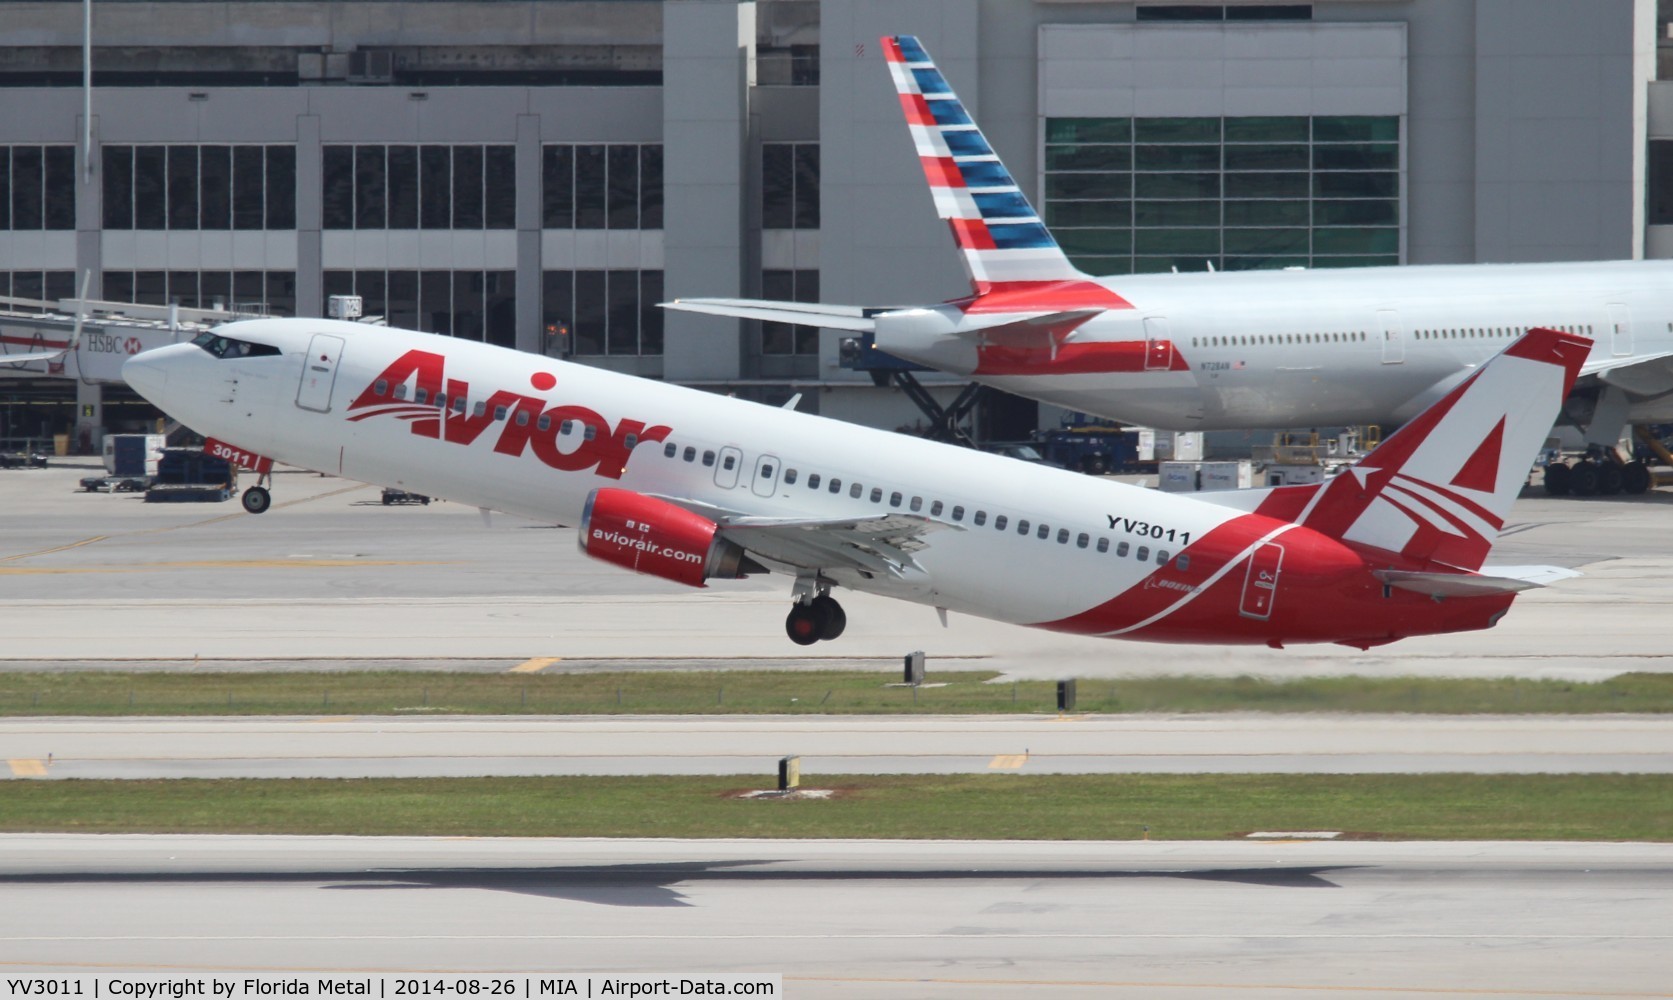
(1437,492)
(999,235)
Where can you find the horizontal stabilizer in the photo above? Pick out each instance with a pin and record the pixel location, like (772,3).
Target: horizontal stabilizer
(1518,578)
(819,314)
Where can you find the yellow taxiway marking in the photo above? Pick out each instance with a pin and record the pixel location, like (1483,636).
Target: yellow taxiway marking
(1007,761)
(535,665)
(27,767)
(56,548)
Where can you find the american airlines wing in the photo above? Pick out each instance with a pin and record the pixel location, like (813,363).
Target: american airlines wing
(835,317)
(882,544)
(1642,374)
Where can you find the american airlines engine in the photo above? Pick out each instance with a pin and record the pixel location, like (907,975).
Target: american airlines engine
(1243,349)
(692,487)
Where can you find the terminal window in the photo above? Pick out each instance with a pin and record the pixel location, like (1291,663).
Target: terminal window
(199,187)
(265,293)
(42,286)
(601,313)
(801,285)
(789,185)
(418,187)
(601,186)
(475,305)
(37,187)
(1125,195)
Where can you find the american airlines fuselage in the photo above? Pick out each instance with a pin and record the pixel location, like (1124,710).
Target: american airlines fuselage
(1233,350)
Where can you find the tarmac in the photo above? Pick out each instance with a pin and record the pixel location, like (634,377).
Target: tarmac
(331,578)
(864,919)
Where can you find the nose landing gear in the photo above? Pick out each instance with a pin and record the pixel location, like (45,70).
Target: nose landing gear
(257,498)
(816,615)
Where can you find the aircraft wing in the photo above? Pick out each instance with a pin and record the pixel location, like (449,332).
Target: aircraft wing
(856,318)
(1641,374)
(12,359)
(878,545)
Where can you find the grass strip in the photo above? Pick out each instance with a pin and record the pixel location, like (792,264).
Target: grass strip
(1636,807)
(113,693)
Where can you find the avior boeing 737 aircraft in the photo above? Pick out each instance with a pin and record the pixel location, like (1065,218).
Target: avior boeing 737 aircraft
(1209,351)
(690,487)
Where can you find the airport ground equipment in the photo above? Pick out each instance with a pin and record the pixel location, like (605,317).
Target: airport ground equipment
(188,475)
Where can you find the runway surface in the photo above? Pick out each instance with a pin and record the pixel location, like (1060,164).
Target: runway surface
(854,919)
(335,747)
(330,578)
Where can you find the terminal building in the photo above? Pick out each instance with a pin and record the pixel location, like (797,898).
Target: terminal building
(540,173)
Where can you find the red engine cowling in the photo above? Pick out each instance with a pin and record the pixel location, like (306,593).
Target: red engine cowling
(653,536)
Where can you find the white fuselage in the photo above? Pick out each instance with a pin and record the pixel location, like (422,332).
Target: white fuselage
(1327,347)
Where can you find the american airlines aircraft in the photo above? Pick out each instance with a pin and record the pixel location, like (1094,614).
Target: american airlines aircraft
(689,486)
(1239,350)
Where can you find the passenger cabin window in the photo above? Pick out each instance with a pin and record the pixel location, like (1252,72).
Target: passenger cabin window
(380,387)
(499,411)
(690,454)
(1063,537)
(980,519)
(1022,527)
(1143,554)
(1082,539)
(854,489)
(1121,550)
(894,499)
(708,458)
(401,391)
(789,476)
(934,508)
(1161,557)
(729,462)
(480,408)
(813,480)
(1043,533)
(1103,545)
(766,472)
(877,495)
(423,396)
(1182,563)
(958,513)
(523,419)
(629,441)
(669,450)
(588,432)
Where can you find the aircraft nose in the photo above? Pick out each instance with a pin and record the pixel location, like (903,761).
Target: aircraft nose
(147,372)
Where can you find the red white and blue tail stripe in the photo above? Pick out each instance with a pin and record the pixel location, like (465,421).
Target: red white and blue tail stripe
(1000,237)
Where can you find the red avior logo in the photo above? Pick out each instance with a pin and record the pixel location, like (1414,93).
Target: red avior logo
(443,408)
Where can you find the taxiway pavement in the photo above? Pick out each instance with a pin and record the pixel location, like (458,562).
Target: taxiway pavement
(331,579)
(336,747)
(853,919)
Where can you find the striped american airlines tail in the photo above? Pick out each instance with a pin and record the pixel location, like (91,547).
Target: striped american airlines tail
(1435,495)
(999,235)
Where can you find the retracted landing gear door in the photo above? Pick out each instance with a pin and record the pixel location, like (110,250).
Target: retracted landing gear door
(319,373)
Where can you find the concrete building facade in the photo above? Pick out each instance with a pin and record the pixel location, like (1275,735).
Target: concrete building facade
(539,173)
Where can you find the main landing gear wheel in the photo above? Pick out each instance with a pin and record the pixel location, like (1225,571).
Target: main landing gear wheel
(820,618)
(1557,479)
(256,499)
(1635,478)
(1583,479)
(831,615)
(1609,479)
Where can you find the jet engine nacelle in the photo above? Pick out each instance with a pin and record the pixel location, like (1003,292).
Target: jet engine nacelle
(938,336)
(653,536)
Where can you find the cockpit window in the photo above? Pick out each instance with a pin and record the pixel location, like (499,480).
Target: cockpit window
(226,347)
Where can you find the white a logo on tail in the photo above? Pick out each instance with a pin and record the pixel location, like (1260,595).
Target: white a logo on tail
(1439,489)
